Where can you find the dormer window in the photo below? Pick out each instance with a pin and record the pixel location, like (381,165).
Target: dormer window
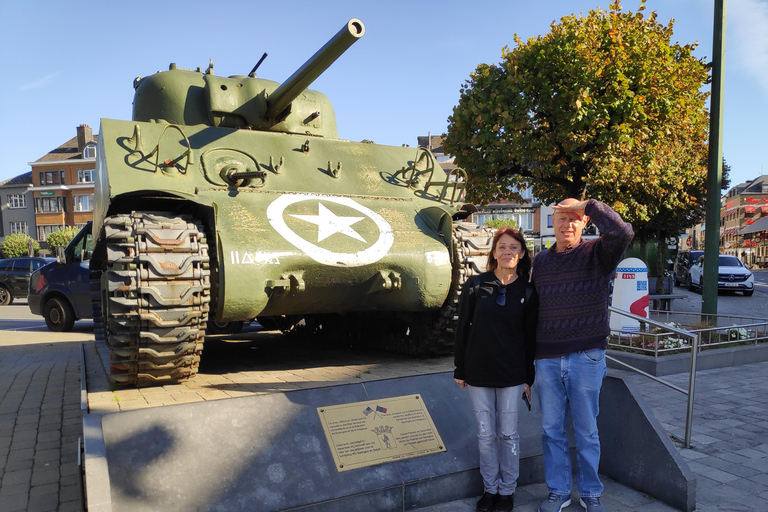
(89,151)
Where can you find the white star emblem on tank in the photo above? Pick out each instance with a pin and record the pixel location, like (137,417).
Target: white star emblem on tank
(328,223)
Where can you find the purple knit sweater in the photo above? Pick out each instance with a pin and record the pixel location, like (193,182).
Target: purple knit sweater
(573,286)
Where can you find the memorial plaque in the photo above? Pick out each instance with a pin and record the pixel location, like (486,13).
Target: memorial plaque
(378,431)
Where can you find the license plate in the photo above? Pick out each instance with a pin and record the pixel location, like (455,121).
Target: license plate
(731,284)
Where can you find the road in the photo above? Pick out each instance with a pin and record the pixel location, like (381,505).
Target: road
(729,303)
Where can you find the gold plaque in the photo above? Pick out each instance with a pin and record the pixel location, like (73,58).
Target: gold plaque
(378,431)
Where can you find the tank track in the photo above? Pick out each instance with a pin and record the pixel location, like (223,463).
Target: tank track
(153,297)
(422,334)
(433,334)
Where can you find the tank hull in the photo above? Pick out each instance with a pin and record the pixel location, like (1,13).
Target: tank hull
(330,226)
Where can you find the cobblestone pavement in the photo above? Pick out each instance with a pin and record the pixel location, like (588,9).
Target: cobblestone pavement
(40,424)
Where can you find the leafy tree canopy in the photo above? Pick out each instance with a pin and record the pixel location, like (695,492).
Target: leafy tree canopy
(17,244)
(603,106)
(61,238)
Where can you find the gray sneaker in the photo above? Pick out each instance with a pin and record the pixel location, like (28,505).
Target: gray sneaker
(555,503)
(592,504)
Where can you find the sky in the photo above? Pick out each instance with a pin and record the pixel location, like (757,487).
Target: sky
(74,62)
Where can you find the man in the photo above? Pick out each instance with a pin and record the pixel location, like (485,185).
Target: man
(572,280)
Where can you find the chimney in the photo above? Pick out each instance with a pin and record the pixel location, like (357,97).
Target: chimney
(84,136)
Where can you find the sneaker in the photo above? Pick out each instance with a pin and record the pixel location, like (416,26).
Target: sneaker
(592,504)
(555,503)
(505,503)
(487,502)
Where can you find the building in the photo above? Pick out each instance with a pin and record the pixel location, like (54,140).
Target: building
(744,230)
(63,184)
(742,207)
(524,213)
(18,213)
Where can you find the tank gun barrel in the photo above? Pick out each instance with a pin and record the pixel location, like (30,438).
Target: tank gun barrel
(314,67)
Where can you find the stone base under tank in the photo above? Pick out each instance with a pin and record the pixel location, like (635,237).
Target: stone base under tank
(269,453)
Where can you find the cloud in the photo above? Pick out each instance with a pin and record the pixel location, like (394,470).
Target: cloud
(747,34)
(39,83)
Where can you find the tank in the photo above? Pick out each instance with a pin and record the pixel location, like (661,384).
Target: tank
(233,198)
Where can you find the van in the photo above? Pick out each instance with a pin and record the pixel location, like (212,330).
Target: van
(61,291)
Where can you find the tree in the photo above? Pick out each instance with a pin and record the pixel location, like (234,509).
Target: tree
(61,238)
(17,244)
(603,106)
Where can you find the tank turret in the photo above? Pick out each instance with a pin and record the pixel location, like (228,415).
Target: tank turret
(180,96)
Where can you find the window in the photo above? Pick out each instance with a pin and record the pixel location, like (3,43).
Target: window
(549,221)
(17,201)
(54,204)
(85,175)
(44,231)
(52,178)
(83,203)
(18,227)
(89,152)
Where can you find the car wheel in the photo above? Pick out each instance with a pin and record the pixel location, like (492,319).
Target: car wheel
(689,283)
(58,315)
(5,296)
(749,293)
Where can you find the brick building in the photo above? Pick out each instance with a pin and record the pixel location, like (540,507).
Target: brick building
(62,184)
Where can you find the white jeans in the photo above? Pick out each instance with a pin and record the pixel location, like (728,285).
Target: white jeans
(497,436)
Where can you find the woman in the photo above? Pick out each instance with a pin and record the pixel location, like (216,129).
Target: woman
(494,354)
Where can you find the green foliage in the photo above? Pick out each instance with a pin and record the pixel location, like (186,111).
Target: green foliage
(500,223)
(603,106)
(18,245)
(648,252)
(61,238)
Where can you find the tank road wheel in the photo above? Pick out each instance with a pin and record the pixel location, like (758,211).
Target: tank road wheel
(155,293)
(433,333)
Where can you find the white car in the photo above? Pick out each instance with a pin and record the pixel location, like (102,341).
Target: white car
(731,275)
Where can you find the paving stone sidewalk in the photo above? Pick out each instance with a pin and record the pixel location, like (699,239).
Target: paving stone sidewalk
(40,425)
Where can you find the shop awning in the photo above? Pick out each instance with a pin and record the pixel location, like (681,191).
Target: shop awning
(760,225)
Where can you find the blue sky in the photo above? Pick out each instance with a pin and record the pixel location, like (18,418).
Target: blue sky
(70,63)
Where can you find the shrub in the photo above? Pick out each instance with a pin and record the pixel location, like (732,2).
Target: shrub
(500,223)
(17,244)
(61,238)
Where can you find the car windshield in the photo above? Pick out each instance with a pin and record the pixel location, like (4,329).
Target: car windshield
(729,261)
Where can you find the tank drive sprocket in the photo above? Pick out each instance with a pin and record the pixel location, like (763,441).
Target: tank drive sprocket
(155,295)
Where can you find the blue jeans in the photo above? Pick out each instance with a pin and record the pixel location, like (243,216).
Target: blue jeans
(497,436)
(571,382)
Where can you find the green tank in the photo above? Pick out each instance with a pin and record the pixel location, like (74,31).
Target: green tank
(233,198)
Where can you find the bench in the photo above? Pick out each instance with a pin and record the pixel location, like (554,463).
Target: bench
(663,302)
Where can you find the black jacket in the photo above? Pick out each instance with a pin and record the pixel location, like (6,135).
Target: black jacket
(495,345)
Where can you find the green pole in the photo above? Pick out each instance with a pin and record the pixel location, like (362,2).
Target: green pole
(715,165)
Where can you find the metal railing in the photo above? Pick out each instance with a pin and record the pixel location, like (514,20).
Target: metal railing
(695,339)
(713,330)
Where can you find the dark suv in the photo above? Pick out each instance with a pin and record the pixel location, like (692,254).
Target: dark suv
(683,264)
(14,276)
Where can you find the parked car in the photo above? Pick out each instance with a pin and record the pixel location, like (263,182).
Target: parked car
(14,276)
(732,275)
(61,292)
(683,264)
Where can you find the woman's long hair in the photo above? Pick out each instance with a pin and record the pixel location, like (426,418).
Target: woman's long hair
(523,264)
